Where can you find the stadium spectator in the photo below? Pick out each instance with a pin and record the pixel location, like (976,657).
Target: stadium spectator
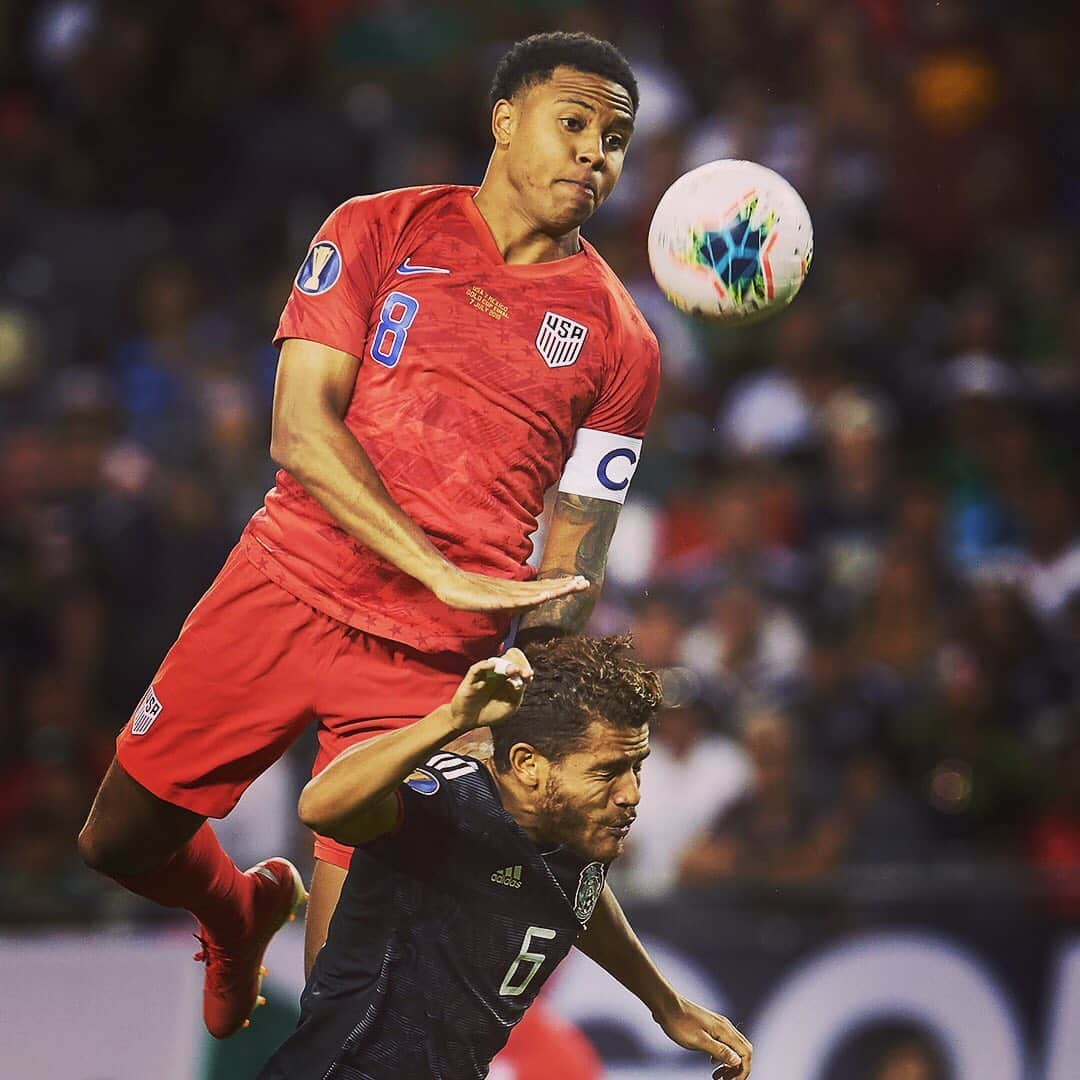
(771,412)
(788,827)
(750,648)
(967,762)
(740,528)
(1026,677)
(851,512)
(161,367)
(986,433)
(1052,570)
(658,624)
(695,774)
(900,625)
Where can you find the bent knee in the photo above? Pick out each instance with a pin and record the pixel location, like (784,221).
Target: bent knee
(93,851)
(130,830)
(101,852)
(113,854)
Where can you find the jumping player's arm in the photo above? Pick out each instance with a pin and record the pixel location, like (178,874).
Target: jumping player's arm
(596,479)
(578,539)
(310,440)
(612,943)
(323,331)
(354,800)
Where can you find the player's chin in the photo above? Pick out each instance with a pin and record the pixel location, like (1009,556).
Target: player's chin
(609,845)
(571,212)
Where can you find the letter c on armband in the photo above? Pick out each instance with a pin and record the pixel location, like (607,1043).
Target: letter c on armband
(607,459)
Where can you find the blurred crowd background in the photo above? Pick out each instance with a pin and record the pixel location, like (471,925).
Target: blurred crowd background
(853,545)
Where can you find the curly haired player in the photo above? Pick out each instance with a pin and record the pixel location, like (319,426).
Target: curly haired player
(471,880)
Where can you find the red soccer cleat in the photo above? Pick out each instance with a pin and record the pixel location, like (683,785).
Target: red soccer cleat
(234,970)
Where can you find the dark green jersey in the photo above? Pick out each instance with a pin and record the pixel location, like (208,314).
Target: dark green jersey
(445,932)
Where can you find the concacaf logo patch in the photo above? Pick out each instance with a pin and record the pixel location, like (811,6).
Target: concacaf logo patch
(589,887)
(422,782)
(320,270)
(149,709)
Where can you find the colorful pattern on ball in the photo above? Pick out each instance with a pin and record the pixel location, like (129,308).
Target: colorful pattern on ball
(738,255)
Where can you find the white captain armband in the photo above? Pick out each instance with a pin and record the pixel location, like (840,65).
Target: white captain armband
(601,465)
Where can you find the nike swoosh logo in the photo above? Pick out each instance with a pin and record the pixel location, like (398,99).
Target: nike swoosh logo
(405,268)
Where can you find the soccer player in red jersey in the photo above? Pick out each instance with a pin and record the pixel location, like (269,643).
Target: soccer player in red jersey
(447,355)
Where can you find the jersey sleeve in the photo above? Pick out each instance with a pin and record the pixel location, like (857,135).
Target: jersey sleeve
(332,293)
(627,398)
(427,808)
(607,446)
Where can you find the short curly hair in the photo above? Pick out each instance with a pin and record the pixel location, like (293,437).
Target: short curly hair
(578,680)
(532,61)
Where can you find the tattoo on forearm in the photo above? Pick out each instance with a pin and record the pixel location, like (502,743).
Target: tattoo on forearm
(591,523)
(592,552)
(579,509)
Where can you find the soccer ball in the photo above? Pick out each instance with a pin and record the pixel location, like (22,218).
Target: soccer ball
(731,240)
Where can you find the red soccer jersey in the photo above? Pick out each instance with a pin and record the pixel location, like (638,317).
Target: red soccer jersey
(474,378)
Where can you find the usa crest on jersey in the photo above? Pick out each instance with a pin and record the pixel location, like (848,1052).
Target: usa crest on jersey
(559,339)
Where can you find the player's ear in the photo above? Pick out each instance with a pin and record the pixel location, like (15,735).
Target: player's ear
(525,764)
(502,122)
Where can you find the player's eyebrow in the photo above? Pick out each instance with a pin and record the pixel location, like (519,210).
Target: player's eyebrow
(621,120)
(615,763)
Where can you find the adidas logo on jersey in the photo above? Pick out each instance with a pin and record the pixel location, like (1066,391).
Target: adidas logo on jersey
(509,875)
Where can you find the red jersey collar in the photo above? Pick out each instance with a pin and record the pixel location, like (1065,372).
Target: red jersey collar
(553,268)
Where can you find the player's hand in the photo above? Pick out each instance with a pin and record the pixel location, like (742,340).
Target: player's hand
(477,592)
(697,1028)
(491,691)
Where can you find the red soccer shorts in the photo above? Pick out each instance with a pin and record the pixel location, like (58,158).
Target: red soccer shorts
(252,667)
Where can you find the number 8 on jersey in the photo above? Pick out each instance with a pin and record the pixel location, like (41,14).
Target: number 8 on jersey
(398,311)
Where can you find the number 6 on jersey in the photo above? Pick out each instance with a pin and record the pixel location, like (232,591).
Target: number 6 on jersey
(508,989)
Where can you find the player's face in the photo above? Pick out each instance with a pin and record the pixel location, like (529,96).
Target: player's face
(567,144)
(592,795)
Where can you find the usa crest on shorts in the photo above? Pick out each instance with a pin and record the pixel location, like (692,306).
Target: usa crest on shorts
(559,339)
(145,713)
(590,886)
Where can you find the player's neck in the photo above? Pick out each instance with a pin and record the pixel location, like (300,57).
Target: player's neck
(517,806)
(518,237)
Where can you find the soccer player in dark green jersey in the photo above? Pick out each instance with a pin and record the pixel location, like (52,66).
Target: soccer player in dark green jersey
(472,879)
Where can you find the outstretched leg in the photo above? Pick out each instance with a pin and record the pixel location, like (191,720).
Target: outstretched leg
(230,697)
(129,830)
(164,853)
(171,856)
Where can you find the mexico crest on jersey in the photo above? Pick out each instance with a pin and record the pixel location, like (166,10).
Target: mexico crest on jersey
(559,339)
(589,887)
